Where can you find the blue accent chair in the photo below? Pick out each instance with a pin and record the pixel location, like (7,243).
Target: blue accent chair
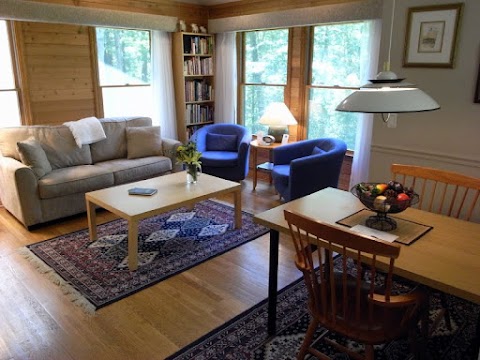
(225,150)
(304,167)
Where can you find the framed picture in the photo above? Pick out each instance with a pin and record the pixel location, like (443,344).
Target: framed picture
(431,35)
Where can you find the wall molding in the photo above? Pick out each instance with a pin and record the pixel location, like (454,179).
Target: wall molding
(427,155)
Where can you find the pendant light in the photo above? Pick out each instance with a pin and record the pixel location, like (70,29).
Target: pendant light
(387,93)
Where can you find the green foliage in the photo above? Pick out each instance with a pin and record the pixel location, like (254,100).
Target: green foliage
(339,53)
(125,56)
(266,58)
(188,154)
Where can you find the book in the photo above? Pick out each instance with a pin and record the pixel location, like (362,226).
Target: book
(142,191)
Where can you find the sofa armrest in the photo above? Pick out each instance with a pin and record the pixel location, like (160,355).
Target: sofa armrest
(169,148)
(19,191)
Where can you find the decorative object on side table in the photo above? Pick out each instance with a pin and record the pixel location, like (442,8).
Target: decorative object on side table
(278,117)
(384,198)
(189,156)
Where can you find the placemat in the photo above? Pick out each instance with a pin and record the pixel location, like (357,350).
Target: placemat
(407,231)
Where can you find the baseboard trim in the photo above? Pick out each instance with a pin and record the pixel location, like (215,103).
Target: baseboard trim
(427,155)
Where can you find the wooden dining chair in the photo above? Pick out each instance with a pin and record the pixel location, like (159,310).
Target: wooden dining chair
(340,299)
(442,192)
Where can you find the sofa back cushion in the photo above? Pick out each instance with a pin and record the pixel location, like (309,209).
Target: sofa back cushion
(143,141)
(115,144)
(221,142)
(57,142)
(33,155)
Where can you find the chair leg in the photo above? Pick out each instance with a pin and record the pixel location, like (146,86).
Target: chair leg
(446,314)
(308,339)
(369,352)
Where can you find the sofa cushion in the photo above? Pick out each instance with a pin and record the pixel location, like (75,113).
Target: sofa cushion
(143,141)
(33,155)
(115,144)
(221,142)
(219,158)
(128,170)
(73,180)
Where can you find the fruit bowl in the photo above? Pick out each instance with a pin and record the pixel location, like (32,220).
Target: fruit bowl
(384,198)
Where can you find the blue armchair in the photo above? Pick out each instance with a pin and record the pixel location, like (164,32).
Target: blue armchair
(225,150)
(304,167)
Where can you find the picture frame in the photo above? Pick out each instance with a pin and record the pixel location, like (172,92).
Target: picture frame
(431,35)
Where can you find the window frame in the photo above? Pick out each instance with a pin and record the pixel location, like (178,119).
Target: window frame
(241,45)
(309,86)
(13,35)
(98,87)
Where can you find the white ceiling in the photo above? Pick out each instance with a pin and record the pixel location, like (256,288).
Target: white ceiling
(207,2)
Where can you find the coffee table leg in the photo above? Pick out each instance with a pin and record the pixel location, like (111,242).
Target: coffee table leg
(132,245)
(237,198)
(272,283)
(92,220)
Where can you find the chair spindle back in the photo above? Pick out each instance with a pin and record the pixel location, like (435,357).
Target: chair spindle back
(442,192)
(338,293)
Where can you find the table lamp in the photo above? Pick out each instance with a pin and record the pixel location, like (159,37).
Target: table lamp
(277,116)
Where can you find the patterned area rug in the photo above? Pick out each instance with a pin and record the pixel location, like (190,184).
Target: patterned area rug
(168,244)
(245,337)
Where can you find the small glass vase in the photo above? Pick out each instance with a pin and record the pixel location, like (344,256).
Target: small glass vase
(193,171)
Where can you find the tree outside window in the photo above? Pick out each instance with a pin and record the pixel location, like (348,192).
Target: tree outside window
(8,91)
(265,55)
(124,68)
(337,69)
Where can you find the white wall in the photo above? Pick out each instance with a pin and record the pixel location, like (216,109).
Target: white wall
(448,138)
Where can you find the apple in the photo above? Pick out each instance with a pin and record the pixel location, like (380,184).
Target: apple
(403,197)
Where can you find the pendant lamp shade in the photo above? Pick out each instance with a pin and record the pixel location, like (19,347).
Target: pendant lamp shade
(395,97)
(388,94)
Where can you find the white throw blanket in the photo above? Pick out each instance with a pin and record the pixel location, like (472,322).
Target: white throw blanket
(86,131)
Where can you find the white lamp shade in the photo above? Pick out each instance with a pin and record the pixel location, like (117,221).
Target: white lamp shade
(388,98)
(277,114)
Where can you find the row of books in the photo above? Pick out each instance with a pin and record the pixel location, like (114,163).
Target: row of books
(191,130)
(198,66)
(198,90)
(198,45)
(195,113)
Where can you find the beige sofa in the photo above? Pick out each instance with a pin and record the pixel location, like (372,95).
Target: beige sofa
(44,175)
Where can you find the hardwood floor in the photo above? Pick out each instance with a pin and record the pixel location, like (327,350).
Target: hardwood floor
(39,322)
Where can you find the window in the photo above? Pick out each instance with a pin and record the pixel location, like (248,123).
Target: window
(337,68)
(265,58)
(124,69)
(8,91)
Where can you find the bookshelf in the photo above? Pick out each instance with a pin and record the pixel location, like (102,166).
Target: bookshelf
(193,77)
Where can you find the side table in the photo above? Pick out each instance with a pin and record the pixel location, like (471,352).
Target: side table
(266,166)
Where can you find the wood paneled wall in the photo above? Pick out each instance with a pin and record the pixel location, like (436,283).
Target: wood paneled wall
(295,91)
(59,72)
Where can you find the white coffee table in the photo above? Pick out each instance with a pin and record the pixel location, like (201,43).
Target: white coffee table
(173,192)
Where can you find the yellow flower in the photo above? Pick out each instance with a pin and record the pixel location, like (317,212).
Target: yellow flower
(188,154)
